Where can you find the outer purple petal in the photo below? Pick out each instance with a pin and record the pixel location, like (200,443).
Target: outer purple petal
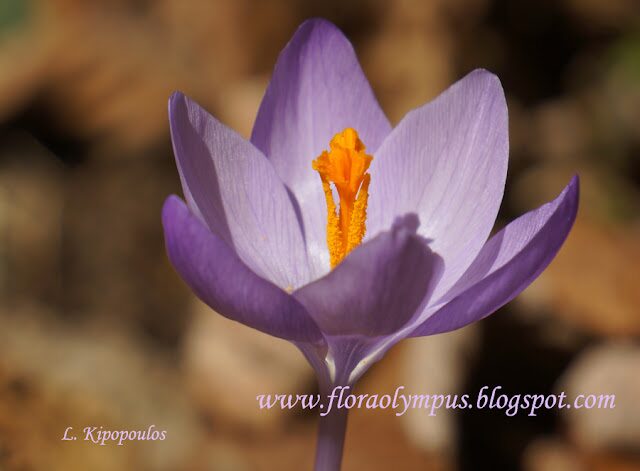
(377,288)
(447,161)
(220,279)
(317,90)
(507,264)
(235,190)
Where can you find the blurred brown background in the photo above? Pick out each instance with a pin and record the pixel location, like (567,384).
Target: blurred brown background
(97,329)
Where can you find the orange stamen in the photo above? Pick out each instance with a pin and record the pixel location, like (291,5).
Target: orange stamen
(345,165)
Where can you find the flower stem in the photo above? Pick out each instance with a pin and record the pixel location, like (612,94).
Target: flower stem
(331,432)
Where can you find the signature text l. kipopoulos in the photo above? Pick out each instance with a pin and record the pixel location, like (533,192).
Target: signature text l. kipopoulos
(100,436)
(341,397)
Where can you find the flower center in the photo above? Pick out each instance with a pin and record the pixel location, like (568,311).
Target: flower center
(345,165)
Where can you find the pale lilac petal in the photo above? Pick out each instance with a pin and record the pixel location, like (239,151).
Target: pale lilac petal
(219,278)
(507,264)
(235,190)
(377,288)
(447,161)
(317,90)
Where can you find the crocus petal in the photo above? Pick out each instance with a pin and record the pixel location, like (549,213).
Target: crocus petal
(447,161)
(377,288)
(317,90)
(219,278)
(507,264)
(235,190)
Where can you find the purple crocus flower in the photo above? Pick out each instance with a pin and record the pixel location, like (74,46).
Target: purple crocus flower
(279,234)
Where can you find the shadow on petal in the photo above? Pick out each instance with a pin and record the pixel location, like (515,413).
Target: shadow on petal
(378,287)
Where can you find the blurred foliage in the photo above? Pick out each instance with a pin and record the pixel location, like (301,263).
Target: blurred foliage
(625,56)
(13,15)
